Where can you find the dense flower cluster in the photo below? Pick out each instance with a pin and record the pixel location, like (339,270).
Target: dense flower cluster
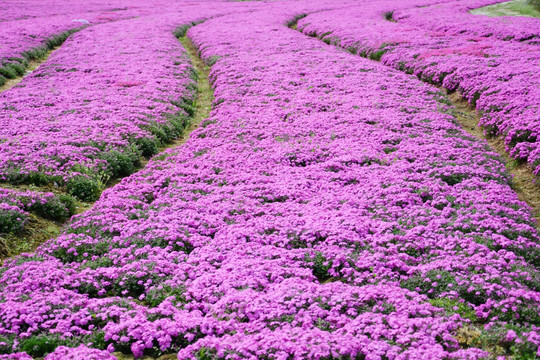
(445,45)
(80,352)
(66,353)
(329,208)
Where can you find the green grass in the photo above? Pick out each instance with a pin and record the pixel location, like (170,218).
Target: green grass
(529,8)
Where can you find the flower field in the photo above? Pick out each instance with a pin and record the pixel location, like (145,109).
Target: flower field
(330,206)
(493,63)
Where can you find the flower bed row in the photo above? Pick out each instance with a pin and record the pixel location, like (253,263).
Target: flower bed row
(330,208)
(112,93)
(499,77)
(11,11)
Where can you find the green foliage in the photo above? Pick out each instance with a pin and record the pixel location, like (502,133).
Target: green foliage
(59,208)
(453,306)
(84,187)
(185,104)
(8,71)
(320,265)
(40,345)
(7,342)
(389,16)
(154,297)
(147,145)
(212,60)
(101,262)
(377,55)
(182,30)
(207,354)
(535,4)
(438,284)
(43,344)
(495,341)
(97,249)
(121,163)
(11,221)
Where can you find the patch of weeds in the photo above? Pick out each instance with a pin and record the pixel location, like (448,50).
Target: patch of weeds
(320,266)
(84,187)
(156,296)
(453,306)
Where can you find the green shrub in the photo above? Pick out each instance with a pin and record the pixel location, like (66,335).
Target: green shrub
(11,221)
(84,187)
(155,297)
(40,345)
(43,344)
(8,71)
(147,145)
(535,4)
(121,163)
(59,208)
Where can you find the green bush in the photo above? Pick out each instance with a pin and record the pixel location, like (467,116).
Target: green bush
(147,146)
(84,187)
(121,163)
(535,4)
(11,221)
(155,297)
(43,344)
(59,208)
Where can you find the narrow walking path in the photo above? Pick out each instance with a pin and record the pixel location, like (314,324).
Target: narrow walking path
(205,94)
